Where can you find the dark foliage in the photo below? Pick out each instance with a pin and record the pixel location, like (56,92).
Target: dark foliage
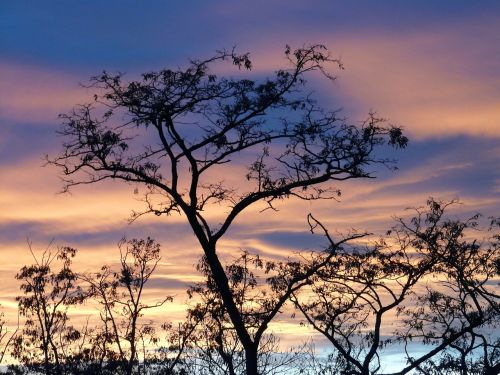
(47,337)
(173,131)
(429,282)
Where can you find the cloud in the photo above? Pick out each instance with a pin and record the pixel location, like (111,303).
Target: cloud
(439,83)
(436,83)
(28,192)
(38,95)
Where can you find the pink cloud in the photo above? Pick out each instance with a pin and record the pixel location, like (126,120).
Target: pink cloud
(34,94)
(439,82)
(427,81)
(412,79)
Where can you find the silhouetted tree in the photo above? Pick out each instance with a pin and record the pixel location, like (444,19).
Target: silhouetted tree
(261,288)
(476,353)
(6,336)
(120,296)
(364,286)
(468,301)
(47,337)
(175,131)
(174,354)
(351,295)
(430,281)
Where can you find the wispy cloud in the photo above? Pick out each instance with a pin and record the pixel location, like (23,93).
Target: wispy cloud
(37,95)
(439,79)
(435,83)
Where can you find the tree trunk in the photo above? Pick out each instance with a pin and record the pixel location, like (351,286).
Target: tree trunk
(251,361)
(129,367)
(46,358)
(222,283)
(130,364)
(220,278)
(58,368)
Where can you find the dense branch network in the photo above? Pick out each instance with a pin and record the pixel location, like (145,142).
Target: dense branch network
(427,283)
(176,132)
(200,123)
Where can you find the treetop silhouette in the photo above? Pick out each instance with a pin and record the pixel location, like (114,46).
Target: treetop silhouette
(178,132)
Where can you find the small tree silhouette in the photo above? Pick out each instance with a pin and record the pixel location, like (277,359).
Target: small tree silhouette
(6,336)
(47,337)
(360,288)
(467,302)
(120,296)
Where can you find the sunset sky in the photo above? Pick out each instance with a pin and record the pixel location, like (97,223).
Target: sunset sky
(430,66)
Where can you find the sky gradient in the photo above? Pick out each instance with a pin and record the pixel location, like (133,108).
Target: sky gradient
(431,67)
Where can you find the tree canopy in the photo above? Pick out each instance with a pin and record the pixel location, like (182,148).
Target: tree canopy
(178,132)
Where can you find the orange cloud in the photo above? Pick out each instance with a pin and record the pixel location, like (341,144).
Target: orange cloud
(436,83)
(34,94)
(427,82)
(433,91)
